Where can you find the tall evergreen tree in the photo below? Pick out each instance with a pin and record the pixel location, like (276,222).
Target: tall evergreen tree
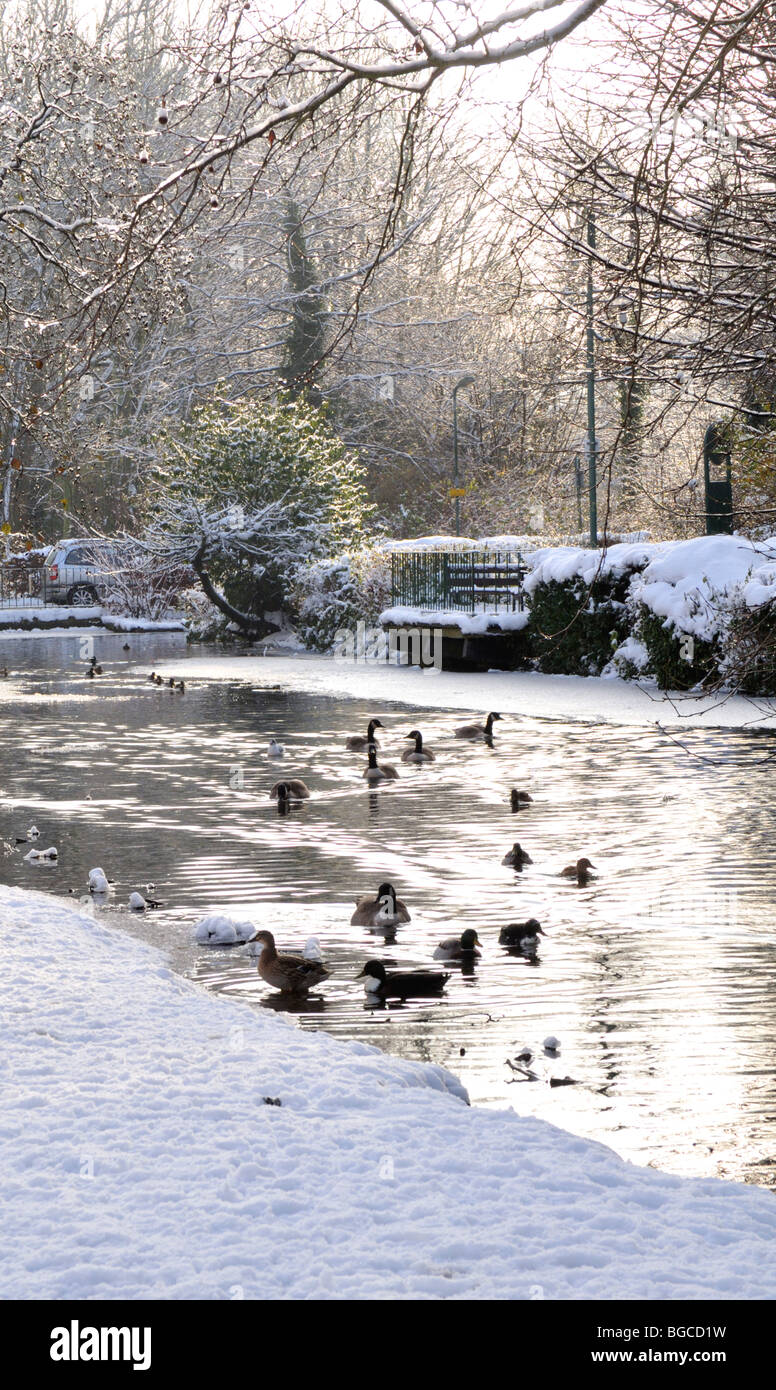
(306,340)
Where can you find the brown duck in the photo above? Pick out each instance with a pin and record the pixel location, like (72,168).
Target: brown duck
(290,974)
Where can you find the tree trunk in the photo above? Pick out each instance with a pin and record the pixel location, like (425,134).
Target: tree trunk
(253,627)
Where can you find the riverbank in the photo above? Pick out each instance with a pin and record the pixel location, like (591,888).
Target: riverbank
(587,699)
(142,1158)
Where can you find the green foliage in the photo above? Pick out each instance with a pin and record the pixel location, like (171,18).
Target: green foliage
(334,594)
(664,642)
(305,343)
(249,454)
(574,629)
(750,650)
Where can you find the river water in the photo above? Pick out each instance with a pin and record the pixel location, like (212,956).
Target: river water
(659,978)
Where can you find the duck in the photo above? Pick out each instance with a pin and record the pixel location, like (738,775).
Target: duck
(171,683)
(518,799)
(287,973)
(517,856)
(181,687)
(126,647)
(38,856)
(378,772)
(384,910)
(158,680)
(418,754)
(463,947)
(359,743)
(275,749)
(521,933)
(139,903)
(580,871)
(4,672)
(412,984)
(477,730)
(293,789)
(98,882)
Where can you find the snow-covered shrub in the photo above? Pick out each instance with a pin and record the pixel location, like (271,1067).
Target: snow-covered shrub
(677,659)
(749,661)
(145,587)
(629,661)
(339,593)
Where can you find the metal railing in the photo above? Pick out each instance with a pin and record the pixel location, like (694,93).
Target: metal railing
(24,586)
(471,581)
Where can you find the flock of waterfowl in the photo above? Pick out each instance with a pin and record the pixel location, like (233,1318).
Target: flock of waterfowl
(296,974)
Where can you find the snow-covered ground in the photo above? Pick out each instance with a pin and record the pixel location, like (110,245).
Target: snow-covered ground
(140,1159)
(587,699)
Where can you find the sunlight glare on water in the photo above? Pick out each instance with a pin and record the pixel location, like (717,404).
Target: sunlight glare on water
(658,978)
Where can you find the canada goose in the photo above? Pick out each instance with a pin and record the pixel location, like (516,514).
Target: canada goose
(418,754)
(359,743)
(518,799)
(463,947)
(414,984)
(520,933)
(138,903)
(292,789)
(517,856)
(375,772)
(289,974)
(580,871)
(90,673)
(275,749)
(477,730)
(382,911)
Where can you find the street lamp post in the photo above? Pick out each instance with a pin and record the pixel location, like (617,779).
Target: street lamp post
(455,491)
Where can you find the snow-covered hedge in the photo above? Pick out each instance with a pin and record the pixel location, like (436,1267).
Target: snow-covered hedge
(682,612)
(330,595)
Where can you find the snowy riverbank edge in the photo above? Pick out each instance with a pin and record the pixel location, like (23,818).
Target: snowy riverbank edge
(586,699)
(141,1161)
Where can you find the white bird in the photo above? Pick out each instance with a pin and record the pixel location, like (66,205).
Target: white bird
(551,1044)
(275,749)
(98,882)
(36,856)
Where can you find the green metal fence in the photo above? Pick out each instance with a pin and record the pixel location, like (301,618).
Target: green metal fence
(469,581)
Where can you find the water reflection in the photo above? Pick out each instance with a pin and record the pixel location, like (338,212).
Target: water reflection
(658,977)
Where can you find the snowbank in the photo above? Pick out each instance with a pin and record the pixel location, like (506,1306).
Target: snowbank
(141,1160)
(469,623)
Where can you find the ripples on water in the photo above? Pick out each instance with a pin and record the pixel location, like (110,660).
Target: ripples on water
(659,978)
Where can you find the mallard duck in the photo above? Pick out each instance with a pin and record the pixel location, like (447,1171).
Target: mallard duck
(477,730)
(289,974)
(418,754)
(517,856)
(359,743)
(275,749)
(384,910)
(463,947)
(375,772)
(520,933)
(518,799)
(414,984)
(292,789)
(158,680)
(580,871)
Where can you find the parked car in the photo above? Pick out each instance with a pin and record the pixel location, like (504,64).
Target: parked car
(76,571)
